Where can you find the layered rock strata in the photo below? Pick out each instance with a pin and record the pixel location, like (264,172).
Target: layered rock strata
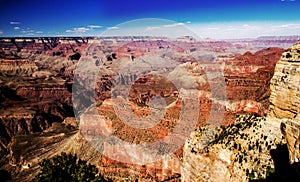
(285,98)
(244,150)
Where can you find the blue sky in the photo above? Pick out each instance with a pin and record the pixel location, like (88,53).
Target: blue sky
(206,17)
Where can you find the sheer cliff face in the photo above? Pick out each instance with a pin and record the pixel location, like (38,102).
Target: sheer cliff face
(285,98)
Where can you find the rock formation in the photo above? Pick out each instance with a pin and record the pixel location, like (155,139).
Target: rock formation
(33,93)
(237,152)
(243,151)
(285,98)
(38,77)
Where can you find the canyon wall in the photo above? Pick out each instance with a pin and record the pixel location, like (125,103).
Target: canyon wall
(285,99)
(246,150)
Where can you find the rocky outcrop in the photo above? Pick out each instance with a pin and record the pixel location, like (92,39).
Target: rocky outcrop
(26,150)
(237,152)
(291,132)
(20,123)
(27,118)
(45,92)
(285,98)
(17,67)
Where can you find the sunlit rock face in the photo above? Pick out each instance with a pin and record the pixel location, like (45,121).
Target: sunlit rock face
(285,98)
(237,152)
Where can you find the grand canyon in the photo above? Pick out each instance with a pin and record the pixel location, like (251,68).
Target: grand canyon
(146,108)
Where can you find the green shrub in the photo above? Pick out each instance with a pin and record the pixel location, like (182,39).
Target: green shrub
(66,167)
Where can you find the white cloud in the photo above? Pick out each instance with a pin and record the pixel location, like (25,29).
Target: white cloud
(288,25)
(285,26)
(16,28)
(94,26)
(113,28)
(27,31)
(188,22)
(81,29)
(213,28)
(78,30)
(151,28)
(174,25)
(245,29)
(1,32)
(39,32)
(230,28)
(14,23)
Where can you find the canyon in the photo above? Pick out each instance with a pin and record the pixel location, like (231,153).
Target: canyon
(253,147)
(88,95)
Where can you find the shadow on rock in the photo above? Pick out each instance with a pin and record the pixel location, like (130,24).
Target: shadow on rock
(5,175)
(284,171)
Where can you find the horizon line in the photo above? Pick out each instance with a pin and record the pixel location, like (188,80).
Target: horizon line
(140,36)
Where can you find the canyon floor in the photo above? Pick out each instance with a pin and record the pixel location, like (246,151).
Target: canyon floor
(152,108)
